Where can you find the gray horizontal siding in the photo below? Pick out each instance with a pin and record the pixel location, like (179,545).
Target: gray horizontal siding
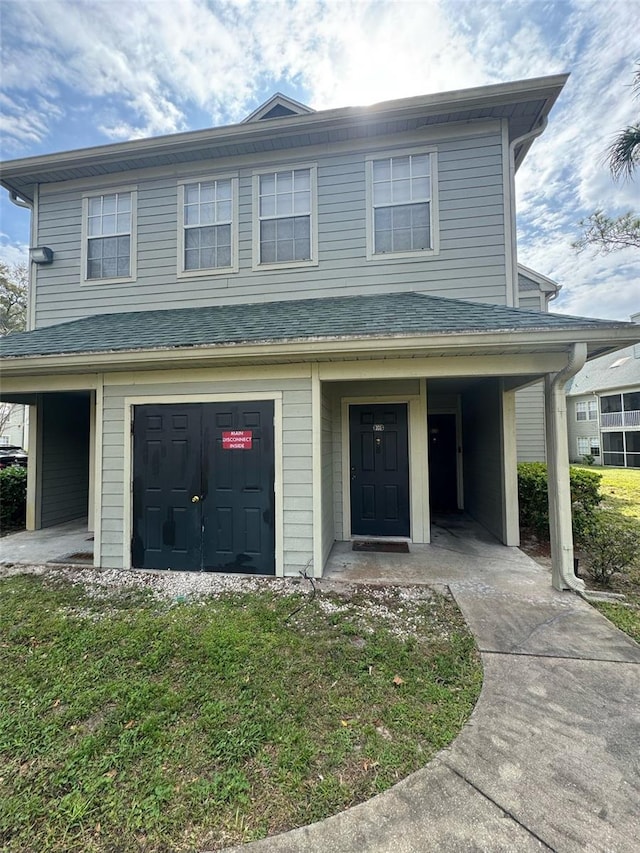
(64,458)
(328,531)
(471,263)
(580,429)
(530,424)
(530,417)
(297,459)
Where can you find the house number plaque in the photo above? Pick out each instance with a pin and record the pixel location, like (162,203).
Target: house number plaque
(378,427)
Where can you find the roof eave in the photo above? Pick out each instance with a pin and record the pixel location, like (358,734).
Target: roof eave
(548,88)
(599,342)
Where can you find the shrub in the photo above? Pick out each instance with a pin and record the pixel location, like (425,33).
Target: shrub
(533,495)
(13,497)
(611,543)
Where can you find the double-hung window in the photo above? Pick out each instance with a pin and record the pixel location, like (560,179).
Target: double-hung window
(402,209)
(108,238)
(587,410)
(284,230)
(208,226)
(588,446)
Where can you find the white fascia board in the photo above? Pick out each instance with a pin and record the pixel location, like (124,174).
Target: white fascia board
(501,343)
(546,285)
(481,97)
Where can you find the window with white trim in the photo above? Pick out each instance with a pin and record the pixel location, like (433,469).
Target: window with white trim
(208,223)
(588,446)
(587,410)
(401,204)
(109,235)
(285,234)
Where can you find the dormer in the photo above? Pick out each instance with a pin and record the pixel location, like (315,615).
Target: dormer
(278,106)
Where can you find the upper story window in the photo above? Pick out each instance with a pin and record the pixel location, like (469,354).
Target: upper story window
(208,226)
(587,410)
(109,236)
(402,205)
(285,230)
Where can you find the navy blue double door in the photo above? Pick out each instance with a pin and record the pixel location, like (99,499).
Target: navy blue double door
(203,487)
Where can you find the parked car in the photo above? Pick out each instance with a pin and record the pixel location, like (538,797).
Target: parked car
(12,455)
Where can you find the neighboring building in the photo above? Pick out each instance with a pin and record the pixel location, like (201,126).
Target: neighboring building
(14,425)
(603,410)
(251,341)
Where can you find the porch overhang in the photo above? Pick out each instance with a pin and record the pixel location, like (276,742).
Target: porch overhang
(515,353)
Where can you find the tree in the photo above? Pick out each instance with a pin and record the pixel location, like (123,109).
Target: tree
(606,233)
(624,153)
(14,286)
(609,234)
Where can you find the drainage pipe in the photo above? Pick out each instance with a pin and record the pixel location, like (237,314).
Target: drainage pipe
(532,134)
(560,529)
(17,200)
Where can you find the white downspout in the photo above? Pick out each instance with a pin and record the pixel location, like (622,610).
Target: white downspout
(532,134)
(561,536)
(18,201)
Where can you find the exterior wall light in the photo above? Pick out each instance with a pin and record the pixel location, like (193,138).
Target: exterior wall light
(41,255)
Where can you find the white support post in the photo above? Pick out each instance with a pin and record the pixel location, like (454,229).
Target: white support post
(560,527)
(510,519)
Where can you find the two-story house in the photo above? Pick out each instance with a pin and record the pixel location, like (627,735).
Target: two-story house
(251,341)
(603,409)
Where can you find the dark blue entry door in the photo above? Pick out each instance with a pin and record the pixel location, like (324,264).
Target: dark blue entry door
(379,470)
(203,487)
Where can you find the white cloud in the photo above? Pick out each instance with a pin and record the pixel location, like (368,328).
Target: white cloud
(132,69)
(11,252)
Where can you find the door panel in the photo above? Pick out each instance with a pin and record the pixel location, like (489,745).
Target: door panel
(379,451)
(166,475)
(180,454)
(443,463)
(239,521)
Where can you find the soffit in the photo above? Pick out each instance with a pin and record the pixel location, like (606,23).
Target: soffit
(524,104)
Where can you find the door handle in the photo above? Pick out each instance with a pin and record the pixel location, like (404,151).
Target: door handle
(195,499)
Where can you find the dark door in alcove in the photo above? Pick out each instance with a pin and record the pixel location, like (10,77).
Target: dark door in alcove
(203,487)
(379,460)
(443,463)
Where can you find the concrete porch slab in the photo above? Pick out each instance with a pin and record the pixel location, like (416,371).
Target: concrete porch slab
(49,544)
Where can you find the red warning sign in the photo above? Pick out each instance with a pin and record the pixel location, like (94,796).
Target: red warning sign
(237,439)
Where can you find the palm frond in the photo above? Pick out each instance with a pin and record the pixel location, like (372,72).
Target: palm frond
(624,153)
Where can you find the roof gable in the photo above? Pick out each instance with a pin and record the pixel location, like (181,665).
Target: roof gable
(278,106)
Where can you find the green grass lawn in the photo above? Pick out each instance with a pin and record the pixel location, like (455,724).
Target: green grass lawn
(621,490)
(129,723)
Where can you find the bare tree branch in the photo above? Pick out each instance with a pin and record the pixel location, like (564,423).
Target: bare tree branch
(607,234)
(14,286)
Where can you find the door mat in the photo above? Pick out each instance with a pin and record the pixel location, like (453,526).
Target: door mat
(382,547)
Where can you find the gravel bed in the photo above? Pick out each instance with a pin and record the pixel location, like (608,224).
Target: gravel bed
(400,608)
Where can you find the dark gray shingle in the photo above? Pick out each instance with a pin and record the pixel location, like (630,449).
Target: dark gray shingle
(332,317)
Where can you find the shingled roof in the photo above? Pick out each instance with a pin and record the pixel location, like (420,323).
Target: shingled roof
(330,318)
(620,369)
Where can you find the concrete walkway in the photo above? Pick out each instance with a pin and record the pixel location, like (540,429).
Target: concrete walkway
(52,544)
(550,759)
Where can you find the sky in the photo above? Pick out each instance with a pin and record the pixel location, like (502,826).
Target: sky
(77,73)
